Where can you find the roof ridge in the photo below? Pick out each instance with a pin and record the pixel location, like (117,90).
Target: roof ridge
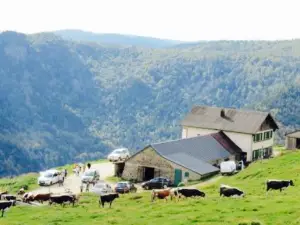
(232,108)
(180,139)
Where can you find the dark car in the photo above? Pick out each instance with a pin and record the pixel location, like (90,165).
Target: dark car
(158,182)
(125,187)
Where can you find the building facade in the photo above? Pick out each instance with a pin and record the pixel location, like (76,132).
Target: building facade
(252,131)
(181,160)
(292,140)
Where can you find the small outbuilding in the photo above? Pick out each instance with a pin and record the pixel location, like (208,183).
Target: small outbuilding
(292,140)
(181,160)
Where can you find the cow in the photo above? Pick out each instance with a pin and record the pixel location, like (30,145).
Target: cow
(62,199)
(42,197)
(28,197)
(21,191)
(3,193)
(190,193)
(228,191)
(6,204)
(8,197)
(109,198)
(278,184)
(164,193)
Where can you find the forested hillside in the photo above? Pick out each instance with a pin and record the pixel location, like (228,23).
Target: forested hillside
(115,39)
(64,101)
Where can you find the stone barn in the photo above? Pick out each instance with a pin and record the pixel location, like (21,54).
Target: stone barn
(292,140)
(182,160)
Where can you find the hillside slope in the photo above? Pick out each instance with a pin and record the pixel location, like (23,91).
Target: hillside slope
(116,39)
(64,101)
(256,208)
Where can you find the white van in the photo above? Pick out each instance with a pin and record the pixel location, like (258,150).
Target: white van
(49,177)
(230,167)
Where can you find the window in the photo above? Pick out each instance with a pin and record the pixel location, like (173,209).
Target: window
(257,154)
(262,136)
(257,137)
(186,174)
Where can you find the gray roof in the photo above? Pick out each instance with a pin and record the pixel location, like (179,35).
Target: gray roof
(294,134)
(193,153)
(235,120)
(192,163)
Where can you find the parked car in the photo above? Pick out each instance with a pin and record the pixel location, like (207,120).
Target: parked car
(101,188)
(91,175)
(158,182)
(231,167)
(49,177)
(125,187)
(118,155)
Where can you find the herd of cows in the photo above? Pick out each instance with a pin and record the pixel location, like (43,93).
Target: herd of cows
(8,200)
(225,190)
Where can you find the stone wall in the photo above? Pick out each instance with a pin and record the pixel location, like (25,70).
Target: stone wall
(133,169)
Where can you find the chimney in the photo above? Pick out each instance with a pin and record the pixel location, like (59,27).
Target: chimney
(222,114)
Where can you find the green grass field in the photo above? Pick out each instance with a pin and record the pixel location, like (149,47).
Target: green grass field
(136,209)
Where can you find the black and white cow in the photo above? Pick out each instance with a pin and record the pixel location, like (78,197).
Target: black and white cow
(6,204)
(62,199)
(278,184)
(190,192)
(8,197)
(228,191)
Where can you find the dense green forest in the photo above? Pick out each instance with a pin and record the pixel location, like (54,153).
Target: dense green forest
(64,101)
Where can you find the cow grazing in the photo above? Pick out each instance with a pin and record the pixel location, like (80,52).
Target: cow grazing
(42,197)
(228,191)
(21,191)
(6,204)
(109,198)
(191,193)
(278,184)
(164,193)
(3,193)
(28,197)
(62,199)
(8,197)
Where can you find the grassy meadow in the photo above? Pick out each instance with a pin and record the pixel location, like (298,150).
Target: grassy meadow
(136,209)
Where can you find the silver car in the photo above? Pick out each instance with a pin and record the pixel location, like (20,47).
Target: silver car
(102,188)
(91,176)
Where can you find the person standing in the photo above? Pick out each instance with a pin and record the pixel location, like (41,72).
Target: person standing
(77,170)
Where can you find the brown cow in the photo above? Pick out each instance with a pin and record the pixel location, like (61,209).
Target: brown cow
(164,193)
(42,197)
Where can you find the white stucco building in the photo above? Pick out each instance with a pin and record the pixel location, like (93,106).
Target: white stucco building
(252,131)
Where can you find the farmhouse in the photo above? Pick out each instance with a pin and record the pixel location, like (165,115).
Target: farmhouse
(181,160)
(292,140)
(252,131)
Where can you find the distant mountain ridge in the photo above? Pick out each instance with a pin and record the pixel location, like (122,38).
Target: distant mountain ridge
(116,39)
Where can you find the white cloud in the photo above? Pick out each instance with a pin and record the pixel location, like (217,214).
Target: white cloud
(177,19)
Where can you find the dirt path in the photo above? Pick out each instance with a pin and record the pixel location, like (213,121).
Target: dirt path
(73,182)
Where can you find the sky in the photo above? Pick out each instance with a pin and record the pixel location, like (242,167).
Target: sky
(185,20)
